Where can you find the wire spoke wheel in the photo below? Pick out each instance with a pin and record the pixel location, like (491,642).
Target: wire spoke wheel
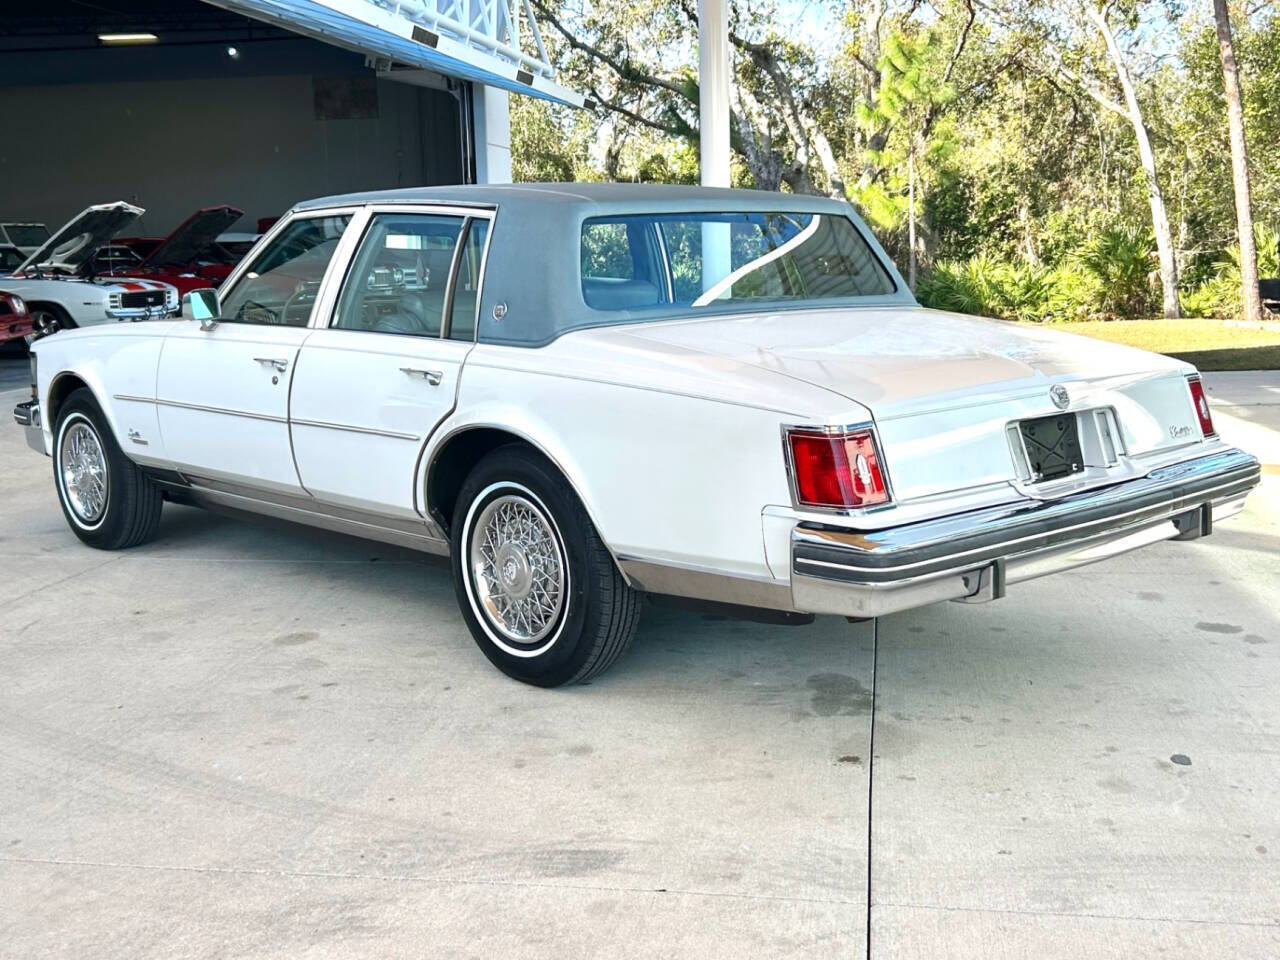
(84,472)
(518,569)
(539,590)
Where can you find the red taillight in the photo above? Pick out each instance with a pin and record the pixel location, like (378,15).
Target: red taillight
(1201,404)
(836,469)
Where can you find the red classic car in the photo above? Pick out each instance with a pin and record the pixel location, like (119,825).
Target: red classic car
(189,258)
(15,322)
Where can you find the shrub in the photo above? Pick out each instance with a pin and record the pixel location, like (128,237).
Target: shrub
(1121,261)
(1219,296)
(985,286)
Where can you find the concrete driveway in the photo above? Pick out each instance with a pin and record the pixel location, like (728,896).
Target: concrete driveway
(248,740)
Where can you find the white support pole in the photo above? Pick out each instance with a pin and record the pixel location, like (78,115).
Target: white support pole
(492,131)
(713,131)
(713,91)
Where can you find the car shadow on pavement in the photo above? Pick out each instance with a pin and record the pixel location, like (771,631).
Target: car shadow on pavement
(676,645)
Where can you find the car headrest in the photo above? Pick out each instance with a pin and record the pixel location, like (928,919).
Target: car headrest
(605,293)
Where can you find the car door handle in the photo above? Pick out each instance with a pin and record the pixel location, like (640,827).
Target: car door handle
(432,377)
(280,365)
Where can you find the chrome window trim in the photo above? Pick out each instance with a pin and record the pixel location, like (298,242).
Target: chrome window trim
(335,274)
(330,313)
(451,282)
(237,274)
(836,430)
(466,212)
(484,265)
(667,277)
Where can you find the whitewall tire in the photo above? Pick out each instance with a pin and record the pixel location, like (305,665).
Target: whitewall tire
(539,590)
(108,501)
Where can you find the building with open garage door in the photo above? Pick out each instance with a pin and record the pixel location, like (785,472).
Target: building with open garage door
(176,105)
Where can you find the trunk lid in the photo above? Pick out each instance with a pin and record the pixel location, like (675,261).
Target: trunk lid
(947,390)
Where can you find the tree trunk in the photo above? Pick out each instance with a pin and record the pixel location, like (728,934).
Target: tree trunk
(1159,218)
(911,215)
(1239,164)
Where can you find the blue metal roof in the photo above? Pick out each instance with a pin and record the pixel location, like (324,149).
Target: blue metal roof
(324,23)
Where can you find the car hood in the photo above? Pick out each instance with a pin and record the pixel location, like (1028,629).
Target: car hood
(191,237)
(905,361)
(73,246)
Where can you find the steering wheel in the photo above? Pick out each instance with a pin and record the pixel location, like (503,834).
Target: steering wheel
(244,307)
(304,289)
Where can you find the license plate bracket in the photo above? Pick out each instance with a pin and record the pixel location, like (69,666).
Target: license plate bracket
(1052,445)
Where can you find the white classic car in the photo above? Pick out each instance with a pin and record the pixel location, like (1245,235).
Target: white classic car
(57,280)
(583,393)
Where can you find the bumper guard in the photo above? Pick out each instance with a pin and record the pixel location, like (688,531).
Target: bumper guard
(974,556)
(27,416)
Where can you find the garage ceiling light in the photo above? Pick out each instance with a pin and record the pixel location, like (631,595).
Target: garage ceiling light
(127,38)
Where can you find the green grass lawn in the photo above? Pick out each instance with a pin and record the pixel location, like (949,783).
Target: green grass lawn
(1209,344)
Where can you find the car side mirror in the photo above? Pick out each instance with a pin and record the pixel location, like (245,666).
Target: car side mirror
(202,305)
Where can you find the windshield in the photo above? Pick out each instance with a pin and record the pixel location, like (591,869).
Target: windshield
(27,234)
(711,260)
(115,258)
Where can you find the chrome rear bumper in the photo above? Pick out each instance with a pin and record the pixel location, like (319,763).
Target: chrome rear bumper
(974,556)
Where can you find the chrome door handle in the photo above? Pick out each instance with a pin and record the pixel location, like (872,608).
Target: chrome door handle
(432,377)
(280,365)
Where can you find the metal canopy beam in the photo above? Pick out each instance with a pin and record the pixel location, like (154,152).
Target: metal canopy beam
(477,40)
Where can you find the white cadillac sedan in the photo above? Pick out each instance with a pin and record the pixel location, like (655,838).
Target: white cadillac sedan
(584,393)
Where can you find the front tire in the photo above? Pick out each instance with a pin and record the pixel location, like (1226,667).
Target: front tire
(537,586)
(109,503)
(48,318)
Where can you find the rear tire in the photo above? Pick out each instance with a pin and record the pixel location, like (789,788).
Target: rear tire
(108,501)
(538,588)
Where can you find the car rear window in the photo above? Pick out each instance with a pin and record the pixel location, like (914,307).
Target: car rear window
(713,260)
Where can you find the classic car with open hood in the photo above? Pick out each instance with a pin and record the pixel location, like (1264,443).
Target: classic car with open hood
(61,290)
(189,257)
(585,392)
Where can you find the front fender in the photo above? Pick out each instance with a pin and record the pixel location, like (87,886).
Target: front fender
(118,366)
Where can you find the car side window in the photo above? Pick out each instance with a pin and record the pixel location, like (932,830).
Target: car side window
(606,252)
(466,288)
(620,267)
(281,284)
(398,277)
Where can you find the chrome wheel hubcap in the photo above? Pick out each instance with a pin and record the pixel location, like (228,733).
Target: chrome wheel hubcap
(84,472)
(517,569)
